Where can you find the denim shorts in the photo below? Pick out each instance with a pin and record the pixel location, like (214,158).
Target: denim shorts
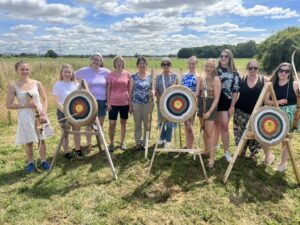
(60,115)
(101,108)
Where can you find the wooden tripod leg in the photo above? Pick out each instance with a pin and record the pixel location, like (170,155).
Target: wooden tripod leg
(101,136)
(98,141)
(64,133)
(180,140)
(289,148)
(154,152)
(147,144)
(200,157)
(235,155)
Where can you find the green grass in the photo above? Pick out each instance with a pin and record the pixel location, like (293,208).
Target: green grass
(83,191)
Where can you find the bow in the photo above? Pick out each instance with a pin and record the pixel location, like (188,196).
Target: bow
(297,112)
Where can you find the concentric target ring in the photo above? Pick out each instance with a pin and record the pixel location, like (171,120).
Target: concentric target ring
(80,108)
(269,125)
(177,104)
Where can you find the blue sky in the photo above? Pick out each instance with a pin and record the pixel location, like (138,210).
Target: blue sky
(138,26)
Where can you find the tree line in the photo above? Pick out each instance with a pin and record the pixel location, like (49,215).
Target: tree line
(270,53)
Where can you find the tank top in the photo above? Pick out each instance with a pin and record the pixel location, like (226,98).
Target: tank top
(249,96)
(286,92)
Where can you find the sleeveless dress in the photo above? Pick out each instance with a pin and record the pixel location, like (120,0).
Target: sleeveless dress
(26,132)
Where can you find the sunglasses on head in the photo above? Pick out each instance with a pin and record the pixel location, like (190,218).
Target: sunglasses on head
(165,64)
(252,68)
(223,56)
(285,71)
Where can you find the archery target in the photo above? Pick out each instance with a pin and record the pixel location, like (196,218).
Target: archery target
(269,125)
(80,108)
(177,104)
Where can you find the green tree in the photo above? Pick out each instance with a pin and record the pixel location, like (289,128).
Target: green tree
(50,53)
(279,48)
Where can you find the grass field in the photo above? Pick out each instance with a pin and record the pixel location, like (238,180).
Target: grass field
(83,191)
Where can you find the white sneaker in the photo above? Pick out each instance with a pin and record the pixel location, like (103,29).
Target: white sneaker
(281,168)
(161,142)
(167,144)
(227,155)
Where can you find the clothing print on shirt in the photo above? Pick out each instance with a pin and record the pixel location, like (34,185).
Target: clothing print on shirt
(190,81)
(141,89)
(230,82)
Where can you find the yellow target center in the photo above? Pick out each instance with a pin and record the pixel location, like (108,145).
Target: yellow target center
(79,108)
(269,126)
(177,104)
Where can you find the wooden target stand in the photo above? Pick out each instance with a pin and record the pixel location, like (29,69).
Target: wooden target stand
(167,116)
(93,120)
(249,134)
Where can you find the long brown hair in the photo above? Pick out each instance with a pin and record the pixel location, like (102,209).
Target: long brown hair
(274,76)
(231,64)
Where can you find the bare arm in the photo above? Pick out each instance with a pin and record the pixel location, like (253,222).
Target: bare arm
(198,86)
(108,90)
(44,98)
(57,103)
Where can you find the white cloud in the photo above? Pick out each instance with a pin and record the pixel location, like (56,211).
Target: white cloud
(41,10)
(225,28)
(24,28)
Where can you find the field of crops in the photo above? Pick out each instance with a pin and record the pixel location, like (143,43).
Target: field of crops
(83,191)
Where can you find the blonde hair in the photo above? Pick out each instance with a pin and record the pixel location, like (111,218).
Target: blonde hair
(231,64)
(116,58)
(192,58)
(64,66)
(18,64)
(212,61)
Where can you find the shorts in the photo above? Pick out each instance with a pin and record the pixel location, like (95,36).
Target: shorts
(101,108)
(209,101)
(60,116)
(224,103)
(113,113)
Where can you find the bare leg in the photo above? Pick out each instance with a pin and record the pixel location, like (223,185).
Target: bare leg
(76,137)
(223,125)
(189,134)
(123,129)
(42,148)
(112,128)
(29,153)
(89,136)
(209,127)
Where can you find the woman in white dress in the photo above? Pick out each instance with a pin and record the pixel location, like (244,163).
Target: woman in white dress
(32,120)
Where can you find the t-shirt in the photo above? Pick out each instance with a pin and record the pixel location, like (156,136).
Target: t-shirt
(230,82)
(141,89)
(190,80)
(249,96)
(119,93)
(96,80)
(63,89)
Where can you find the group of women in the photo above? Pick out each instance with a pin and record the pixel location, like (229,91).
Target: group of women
(220,91)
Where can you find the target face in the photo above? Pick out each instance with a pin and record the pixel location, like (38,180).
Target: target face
(80,108)
(270,125)
(177,104)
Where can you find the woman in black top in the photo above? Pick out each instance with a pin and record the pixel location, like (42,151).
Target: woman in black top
(230,85)
(250,89)
(285,90)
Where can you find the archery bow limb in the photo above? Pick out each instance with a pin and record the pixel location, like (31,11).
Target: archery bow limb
(297,112)
(149,119)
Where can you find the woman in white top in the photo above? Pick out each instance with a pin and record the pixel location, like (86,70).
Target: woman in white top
(32,120)
(61,90)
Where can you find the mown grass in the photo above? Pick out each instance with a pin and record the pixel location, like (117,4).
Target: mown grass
(83,191)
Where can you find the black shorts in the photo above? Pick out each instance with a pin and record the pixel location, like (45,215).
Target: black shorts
(113,113)
(224,103)
(60,116)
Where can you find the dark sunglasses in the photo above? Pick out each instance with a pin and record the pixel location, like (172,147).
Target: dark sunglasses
(165,64)
(223,56)
(282,70)
(253,68)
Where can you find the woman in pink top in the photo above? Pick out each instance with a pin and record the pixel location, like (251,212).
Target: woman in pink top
(118,100)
